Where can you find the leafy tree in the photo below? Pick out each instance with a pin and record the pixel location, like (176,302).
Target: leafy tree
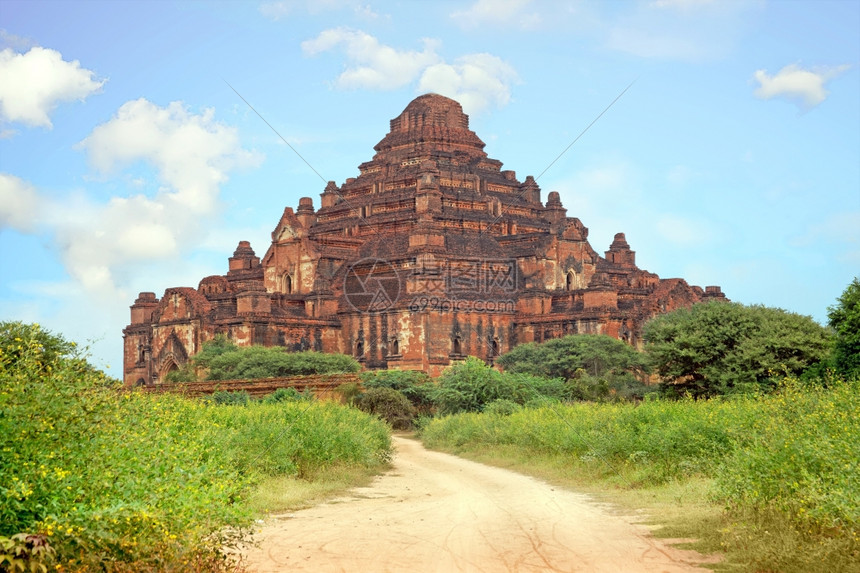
(844,318)
(253,362)
(718,347)
(213,349)
(596,354)
(390,405)
(416,385)
(18,338)
(467,386)
(596,366)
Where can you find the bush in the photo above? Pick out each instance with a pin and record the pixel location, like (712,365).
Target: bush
(139,482)
(254,362)
(348,392)
(786,464)
(597,355)
(238,398)
(416,385)
(719,347)
(469,385)
(390,405)
(844,318)
(287,395)
(502,407)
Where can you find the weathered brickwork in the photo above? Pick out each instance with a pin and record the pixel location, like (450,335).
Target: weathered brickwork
(431,254)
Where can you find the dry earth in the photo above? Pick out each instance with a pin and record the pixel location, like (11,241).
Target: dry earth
(437,512)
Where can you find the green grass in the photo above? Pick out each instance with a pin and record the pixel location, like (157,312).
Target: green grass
(279,494)
(136,482)
(771,482)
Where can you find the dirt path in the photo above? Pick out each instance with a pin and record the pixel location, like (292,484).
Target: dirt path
(436,512)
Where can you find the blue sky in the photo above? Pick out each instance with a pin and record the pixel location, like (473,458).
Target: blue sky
(128,164)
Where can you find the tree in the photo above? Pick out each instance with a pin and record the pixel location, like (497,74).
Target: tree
(416,385)
(595,365)
(390,405)
(467,386)
(18,338)
(844,318)
(596,354)
(719,347)
(253,362)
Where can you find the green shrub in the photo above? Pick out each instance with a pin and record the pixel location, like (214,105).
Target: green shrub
(348,392)
(844,318)
(254,362)
(788,460)
(502,407)
(468,385)
(286,395)
(416,385)
(390,405)
(130,481)
(226,398)
(718,348)
(597,355)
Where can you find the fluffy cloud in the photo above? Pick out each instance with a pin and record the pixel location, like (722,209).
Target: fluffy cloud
(19,203)
(191,154)
(32,84)
(803,87)
(373,65)
(497,13)
(475,80)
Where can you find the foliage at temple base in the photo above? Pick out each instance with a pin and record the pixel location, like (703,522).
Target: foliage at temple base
(122,481)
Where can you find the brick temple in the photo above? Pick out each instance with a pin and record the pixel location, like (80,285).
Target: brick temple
(431,254)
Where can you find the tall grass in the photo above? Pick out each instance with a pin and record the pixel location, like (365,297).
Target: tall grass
(785,462)
(136,482)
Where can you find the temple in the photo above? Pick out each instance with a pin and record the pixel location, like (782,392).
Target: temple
(431,254)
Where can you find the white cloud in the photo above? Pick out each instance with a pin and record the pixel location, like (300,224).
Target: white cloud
(497,13)
(372,65)
(192,155)
(19,203)
(14,41)
(803,87)
(276,10)
(475,80)
(32,84)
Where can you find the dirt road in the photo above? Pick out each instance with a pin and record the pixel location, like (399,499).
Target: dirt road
(436,512)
